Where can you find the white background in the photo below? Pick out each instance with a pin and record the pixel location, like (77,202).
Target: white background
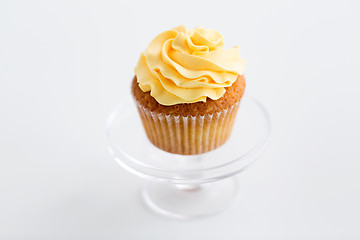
(64,65)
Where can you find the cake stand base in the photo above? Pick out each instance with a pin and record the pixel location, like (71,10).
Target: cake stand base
(190,201)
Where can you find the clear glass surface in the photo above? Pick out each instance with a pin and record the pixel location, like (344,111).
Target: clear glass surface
(188,186)
(190,201)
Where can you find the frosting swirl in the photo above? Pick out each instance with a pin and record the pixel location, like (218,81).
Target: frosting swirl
(181,66)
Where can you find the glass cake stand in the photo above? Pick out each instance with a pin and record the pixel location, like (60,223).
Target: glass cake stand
(189,186)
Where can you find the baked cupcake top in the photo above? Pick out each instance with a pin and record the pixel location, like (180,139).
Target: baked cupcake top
(187,66)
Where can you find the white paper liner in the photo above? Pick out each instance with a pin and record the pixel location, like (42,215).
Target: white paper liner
(188,135)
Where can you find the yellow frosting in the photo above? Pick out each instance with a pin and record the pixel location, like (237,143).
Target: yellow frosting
(181,66)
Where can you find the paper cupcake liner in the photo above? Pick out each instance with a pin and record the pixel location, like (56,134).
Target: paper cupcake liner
(188,135)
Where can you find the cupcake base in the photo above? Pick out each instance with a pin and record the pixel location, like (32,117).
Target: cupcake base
(188,135)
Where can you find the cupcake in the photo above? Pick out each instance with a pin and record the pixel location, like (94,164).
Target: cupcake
(187,88)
